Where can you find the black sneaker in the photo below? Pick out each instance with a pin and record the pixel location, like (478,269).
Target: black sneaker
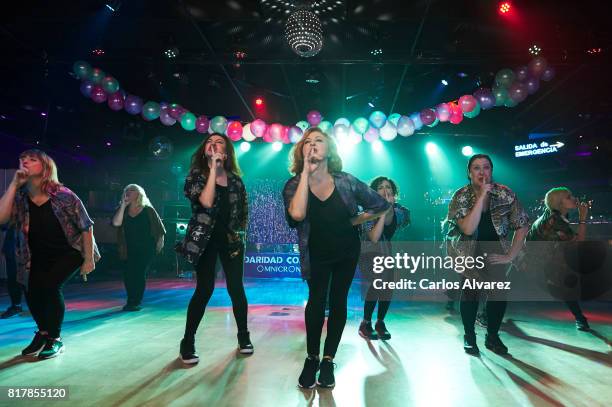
(582,324)
(481,319)
(366,331)
(493,343)
(326,375)
(469,345)
(244,343)
(131,307)
(53,347)
(11,311)
(308,377)
(187,351)
(381,330)
(37,344)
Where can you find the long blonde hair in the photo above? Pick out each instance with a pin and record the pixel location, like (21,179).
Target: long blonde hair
(142,200)
(49,181)
(554,197)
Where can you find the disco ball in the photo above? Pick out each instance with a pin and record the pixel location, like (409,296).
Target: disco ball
(304,33)
(161,147)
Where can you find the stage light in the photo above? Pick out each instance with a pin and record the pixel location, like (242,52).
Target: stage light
(376,51)
(371,104)
(431,148)
(462,74)
(277,146)
(467,151)
(171,52)
(535,50)
(594,51)
(97,52)
(113,5)
(259,102)
(444,82)
(377,146)
(505,7)
(245,146)
(108,144)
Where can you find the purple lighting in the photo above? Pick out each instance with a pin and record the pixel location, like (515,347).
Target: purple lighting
(43,114)
(584,154)
(108,144)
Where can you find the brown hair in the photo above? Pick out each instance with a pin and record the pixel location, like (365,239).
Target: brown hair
(476,157)
(199,160)
(50,183)
(379,180)
(334,162)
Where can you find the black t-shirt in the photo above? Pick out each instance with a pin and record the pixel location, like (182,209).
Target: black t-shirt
(46,236)
(332,236)
(488,241)
(138,233)
(220,231)
(389,230)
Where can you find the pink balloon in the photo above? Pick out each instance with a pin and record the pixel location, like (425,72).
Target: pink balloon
(202,124)
(234,131)
(313,117)
(371,135)
(267,137)
(176,111)
(443,112)
(467,103)
(98,94)
(115,101)
(285,136)
(456,114)
(258,128)
(537,66)
(276,132)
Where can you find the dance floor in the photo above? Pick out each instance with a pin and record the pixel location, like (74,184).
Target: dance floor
(115,358)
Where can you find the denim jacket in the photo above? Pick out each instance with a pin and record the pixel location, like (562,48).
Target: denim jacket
(353,192)
(71,215)
(203,219)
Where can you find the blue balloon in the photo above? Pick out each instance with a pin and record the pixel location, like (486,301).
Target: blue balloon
(378,119)
(416,119)
(86,88)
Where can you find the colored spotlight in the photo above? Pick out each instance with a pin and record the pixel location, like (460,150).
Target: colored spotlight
(259,102)
(467,151)
(505,7)
(277,146)
(245,146)
(535,50)
(431,148)
(444,82)
(377,146)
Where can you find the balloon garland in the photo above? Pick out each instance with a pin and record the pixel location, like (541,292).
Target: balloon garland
(510,88)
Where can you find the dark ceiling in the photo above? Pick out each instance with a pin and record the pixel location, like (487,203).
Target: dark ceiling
(422,42)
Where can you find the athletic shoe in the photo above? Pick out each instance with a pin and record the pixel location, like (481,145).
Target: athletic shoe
(129,307)
(244,343)
(308,377)
(366,331)
(187,351)
(326,374)
(37,344)
(11,311)
(53,347)
(481,319)
(582,324)
(493,343)
(381,330)
(469,345)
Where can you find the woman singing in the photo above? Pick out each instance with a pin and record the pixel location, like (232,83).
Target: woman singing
(382,230)
(553,226)
(481,216)
(322,202)
(53,238)
(140,235)
(216,229)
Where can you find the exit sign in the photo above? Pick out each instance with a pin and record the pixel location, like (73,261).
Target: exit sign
(532,149)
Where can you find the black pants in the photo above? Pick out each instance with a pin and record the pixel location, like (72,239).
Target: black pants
(494,309)
(14,288)
(341,273)
(44,294)
(380,297)
(205,269)
(135,274)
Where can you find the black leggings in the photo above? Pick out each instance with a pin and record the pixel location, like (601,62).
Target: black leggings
(382,297)
(575,309)
(135,275)
(15,289)
(232,267)
(44,294)
(341,273)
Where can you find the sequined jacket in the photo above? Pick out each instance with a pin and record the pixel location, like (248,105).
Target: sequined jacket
(70,213)
(506,211)
(354,193)
(203,219)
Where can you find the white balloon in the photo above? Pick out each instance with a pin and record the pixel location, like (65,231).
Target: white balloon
(388,132)
(247,135)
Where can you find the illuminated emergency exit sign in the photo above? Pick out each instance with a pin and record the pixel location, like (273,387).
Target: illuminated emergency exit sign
(531,149)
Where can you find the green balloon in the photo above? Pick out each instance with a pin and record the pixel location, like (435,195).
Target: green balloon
(150,110)
(188,121)
(303,124)
(435,122)
(501,95)
(473,113)
(325,126)
(81,69)
(110,84)
(361,125)
(509,102)
(394,118)
(218,124)
(96,75)
(504,77)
